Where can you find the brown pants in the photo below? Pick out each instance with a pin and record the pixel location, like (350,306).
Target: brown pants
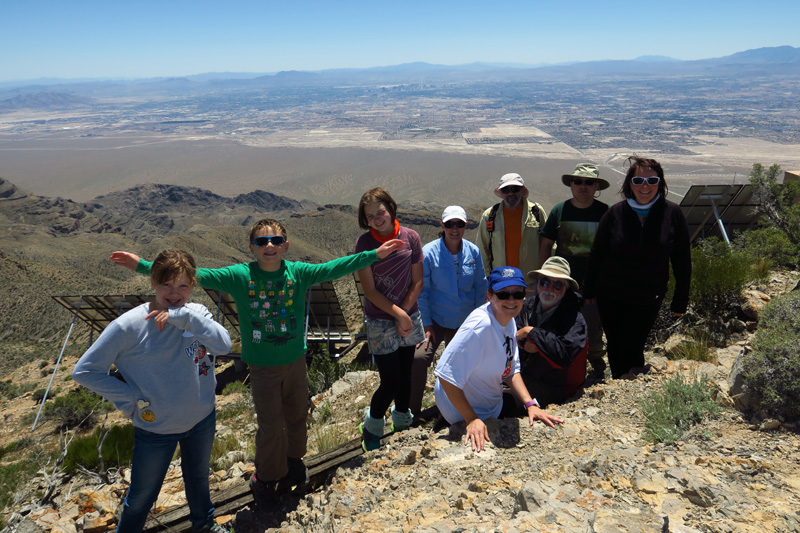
(280,395)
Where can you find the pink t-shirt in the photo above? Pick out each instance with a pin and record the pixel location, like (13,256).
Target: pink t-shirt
(392,274)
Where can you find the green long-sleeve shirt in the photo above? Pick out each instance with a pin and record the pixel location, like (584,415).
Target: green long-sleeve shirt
(271,305)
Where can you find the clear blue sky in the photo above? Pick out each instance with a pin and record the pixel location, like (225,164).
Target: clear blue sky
(116,38)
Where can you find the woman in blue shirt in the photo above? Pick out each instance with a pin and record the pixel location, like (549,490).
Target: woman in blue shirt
(454,284)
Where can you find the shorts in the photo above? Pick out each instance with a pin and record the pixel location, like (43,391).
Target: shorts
(383,338)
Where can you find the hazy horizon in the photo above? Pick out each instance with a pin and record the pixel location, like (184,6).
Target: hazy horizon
(94,39)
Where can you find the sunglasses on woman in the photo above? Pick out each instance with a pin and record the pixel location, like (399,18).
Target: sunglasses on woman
(652,180)
(505,295)
(450,224)
(545,282)
(275,240)
(585,181)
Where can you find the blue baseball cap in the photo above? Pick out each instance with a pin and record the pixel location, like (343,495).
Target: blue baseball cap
(506,276)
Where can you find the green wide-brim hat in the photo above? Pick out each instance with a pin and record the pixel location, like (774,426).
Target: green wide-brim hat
(586,170)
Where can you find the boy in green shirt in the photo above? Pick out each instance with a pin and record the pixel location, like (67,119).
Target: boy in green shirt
(270,298)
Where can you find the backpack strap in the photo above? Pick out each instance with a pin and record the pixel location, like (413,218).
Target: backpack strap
(490,230)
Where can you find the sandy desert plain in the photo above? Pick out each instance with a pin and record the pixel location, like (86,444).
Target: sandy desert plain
(336,166)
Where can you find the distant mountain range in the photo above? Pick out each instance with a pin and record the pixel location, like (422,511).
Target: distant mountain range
(778,59)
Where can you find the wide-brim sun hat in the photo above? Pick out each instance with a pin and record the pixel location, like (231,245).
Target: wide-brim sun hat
(586,170)
(556,268)
(506,276)
(508,180)
(454,211)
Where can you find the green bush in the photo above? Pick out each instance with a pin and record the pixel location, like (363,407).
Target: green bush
(772,369)
(768,243)
(696,347)
(117,449)
(234,387)
(9,389)
(79,407)
(17,445)
(678,405)
(10,476)
(719,274)
(323,373)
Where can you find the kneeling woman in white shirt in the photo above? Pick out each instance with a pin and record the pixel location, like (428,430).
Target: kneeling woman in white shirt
(482,355)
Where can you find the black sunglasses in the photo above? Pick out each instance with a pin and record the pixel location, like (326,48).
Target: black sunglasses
(275,240)
(505,295)
(511,189)
(557,285)
(639,180)
(450,224)
(585,181)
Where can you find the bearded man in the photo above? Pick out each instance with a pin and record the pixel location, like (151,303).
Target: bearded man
(551,334)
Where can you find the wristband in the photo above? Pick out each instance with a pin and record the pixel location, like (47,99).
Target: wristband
(531,403)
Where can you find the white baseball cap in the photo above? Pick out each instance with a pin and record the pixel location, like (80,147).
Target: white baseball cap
(454,211)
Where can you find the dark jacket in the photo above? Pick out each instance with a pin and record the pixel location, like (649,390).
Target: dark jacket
(558,370)
(629,261)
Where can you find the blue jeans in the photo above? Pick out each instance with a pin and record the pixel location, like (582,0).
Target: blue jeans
(152,453)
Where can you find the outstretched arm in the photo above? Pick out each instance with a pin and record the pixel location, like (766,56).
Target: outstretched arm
(125,259)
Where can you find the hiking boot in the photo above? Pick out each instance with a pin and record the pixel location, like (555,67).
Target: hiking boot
(401,421)
(369,441)
(598,370)
(263,492)
(298,472)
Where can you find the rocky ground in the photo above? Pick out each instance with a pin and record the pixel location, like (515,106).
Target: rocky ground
(596,472)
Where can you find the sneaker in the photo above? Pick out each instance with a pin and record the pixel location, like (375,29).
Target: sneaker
(401,421)
(369,441)
(216,528)
(298,472)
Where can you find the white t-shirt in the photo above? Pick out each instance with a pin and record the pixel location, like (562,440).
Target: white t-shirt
(481,355)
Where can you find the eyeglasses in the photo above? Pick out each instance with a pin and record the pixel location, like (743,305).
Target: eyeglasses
(505,295)
(450,224)
(545,282)
(652,180)
(585,181)
(511,189)
(275,240)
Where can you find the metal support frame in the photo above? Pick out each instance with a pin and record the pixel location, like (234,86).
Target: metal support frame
(712,198)
(77,307)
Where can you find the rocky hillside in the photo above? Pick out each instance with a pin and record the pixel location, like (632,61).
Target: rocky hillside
(55,246)
(595,472)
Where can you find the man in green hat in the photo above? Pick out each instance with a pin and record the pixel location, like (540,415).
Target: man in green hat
(571,226)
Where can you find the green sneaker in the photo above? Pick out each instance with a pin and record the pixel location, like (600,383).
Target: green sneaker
(369,441)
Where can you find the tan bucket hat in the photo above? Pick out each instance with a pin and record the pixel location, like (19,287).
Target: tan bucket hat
(555,267)
(586,170)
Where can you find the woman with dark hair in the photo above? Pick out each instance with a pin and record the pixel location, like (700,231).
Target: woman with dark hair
(628,267)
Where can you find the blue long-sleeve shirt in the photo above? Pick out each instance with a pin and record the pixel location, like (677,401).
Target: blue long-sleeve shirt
(449,293)
(169,374)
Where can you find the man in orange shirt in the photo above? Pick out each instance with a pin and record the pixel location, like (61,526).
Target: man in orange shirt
(508,233)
